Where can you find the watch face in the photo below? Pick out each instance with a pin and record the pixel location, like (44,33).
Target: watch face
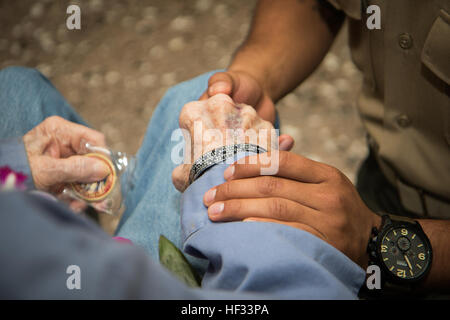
(405,253)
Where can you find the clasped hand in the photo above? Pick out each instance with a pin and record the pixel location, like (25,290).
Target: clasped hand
(303,194)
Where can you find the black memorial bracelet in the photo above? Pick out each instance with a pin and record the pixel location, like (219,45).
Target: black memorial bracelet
(219,155)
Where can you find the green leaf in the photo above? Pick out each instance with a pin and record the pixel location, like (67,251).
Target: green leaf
(174,260)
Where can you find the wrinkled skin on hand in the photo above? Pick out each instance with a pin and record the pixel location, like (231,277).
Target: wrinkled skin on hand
(52,148)
(222,122)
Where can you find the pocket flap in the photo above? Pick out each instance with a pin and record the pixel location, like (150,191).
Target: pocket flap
(436,51)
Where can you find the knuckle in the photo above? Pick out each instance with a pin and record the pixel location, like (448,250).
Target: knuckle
(54,122)
(341,223)
(335,200)
(266,125)
(277,207)
(187,114)
(187,109)
(333,174)
(220,102)
(76,167)
(225,190)
(57,126)
(233,207)
(267,185)
(248,111)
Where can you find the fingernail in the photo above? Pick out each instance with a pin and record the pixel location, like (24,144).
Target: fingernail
(229,172)
(284,145)
(216,208)
(210,195)
(218,87)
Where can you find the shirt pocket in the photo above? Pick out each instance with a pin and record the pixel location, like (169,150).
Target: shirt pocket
(436,50)
(352,8)
(436,57)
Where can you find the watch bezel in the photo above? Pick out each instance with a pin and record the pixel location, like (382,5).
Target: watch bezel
(417,230)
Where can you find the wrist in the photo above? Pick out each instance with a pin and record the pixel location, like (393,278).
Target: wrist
(376,221)
(439,236)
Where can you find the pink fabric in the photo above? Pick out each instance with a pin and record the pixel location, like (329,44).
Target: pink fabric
(122,240)
(19,177)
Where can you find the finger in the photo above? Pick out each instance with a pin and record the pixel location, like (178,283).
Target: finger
(221,82)
(72,136)
(79,135)
(282,164)
(180,177)
(263,187)
(204,96)
(77,169)
(274,208)
(297,225)
(285,142)
(222,104)
(190,113)
(78,206)
(266,109)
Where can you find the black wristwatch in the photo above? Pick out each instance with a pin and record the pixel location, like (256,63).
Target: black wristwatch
(402,251)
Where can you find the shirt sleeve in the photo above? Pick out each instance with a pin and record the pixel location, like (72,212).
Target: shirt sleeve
(13,155)
(269,258)
(48,252)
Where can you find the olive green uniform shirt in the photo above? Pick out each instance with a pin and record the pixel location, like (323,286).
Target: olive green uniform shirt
(404,103)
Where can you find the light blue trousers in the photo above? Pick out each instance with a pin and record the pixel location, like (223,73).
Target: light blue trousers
(153,204)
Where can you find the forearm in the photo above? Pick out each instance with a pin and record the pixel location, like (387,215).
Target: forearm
(438,231)
(287,41)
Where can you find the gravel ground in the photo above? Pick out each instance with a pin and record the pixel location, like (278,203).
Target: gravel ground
(128,53)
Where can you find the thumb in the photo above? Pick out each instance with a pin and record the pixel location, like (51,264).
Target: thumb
(80,169)
(180,177)
(286,142)
(221,82)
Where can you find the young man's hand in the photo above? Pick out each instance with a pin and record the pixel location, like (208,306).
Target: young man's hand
(242,88)
(305,194)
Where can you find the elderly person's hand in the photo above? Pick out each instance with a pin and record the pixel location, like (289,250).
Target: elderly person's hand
(304,194)
(216,122)
(52,148)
